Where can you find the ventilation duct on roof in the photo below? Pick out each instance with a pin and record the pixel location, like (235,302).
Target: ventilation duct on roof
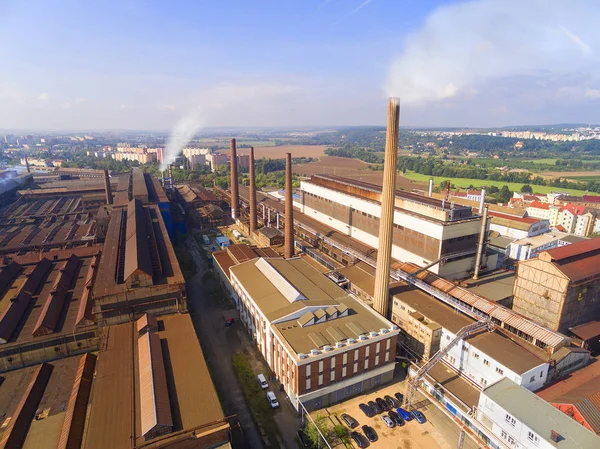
(315,352)
(328,348)
(362,337)
(383,330)
(373,334)
(339,345)
(351,341)
(302,356)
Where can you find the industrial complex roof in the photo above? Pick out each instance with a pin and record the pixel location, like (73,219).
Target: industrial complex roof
(191,394)
(578,261)
(539,416)
(293,295)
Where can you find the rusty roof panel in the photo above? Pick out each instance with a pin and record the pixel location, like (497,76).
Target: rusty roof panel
(147,320)
(139,188)
(137,246)
(84,313)
(575,249)
(71,434)
(18,305)
(155,408)
(54,304)
(8,274)
(16,431)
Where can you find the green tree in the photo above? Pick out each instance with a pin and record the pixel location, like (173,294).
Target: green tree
(505,194)
(526,189)
(493,189)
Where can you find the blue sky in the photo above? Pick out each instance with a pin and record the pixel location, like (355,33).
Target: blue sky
(144,65)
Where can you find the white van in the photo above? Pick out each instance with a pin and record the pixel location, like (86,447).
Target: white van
(272,399)
(262,381)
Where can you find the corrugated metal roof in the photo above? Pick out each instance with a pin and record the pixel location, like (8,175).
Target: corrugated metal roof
(18,305)
(155,409)
(84,313)
(587,330)
(16,431)
(147,320)
(8,274)
(575,249)
(137,246)
(71,435)
(53,306)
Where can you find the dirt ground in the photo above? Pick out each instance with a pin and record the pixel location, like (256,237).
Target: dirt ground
(279,152)
(352,168)
(569,174)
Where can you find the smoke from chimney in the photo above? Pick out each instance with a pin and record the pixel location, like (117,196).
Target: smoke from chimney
(289,209)
(386,222)
(235,196)
(107,188)
(253,225)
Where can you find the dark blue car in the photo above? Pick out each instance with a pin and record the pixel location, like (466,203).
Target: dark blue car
(404,414)
(420,417)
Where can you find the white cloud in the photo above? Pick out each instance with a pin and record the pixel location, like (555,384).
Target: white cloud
(592,93)
(43,96)
(66,105)
(473,44)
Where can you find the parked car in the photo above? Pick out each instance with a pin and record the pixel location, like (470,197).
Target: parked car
(403,414)
(262,381)
(370,433)
(420,417)
(388,421)
(396,418)
(382,404)
(400,398)
(368,411)
(359,439)
(272,399)
(303,439)
(349,420)
(375,407)
(391,402)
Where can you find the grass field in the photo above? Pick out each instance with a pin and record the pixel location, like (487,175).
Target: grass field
(548,161)
(585,178)
(464,183)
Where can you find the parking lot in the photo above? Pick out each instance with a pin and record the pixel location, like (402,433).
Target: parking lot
(438,432)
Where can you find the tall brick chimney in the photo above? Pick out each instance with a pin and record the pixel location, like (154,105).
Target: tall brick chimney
(386,222)
(107,188)
(289,209)
(253,225)
(235,196)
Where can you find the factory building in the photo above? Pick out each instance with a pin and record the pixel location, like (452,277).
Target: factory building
(425,229)
(560,288)
(138,271)
(322,344)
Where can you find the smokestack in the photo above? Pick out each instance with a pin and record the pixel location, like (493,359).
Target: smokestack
(171,176)
(386,222)
(27,164)
(253,225)
(430,186)
(289,209)
(482,201)
(481,244)
(235,196)
(107,189)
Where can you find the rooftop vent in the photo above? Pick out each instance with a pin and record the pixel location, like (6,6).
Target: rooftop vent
(555,436)
(351,341)
(302,356)
(328,348)
(383,330)
(373,334)
(394,327)
(315,352)
(362,337)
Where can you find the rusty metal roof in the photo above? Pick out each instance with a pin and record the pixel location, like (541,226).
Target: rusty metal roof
(587,330)
(16,431)
(18,305)
(578,261)
(147,320)
(53,306)
(8,274)
(137,245)
(155,409)
(71,435)
(139,189)
(575,249)
(84,313)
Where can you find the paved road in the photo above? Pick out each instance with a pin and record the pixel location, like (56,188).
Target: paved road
(219,344)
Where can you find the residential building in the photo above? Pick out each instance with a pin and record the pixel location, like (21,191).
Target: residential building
(322,344)
(190,152)
(567,218)
(585,222)
(425,229)
(592,201)
(518,418)
(196,161)
(561,287)
(244,162)
(544,211)
(517,227)
(215,160)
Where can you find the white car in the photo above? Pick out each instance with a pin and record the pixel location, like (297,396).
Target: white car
(262,381)
(388,421)
(272,399)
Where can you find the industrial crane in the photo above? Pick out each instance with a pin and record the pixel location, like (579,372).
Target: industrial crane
(464,333)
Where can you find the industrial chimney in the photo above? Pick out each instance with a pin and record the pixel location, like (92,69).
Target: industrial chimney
(252,194)
(481,243)
(235,196)
(107,188)
(171,176)
(27,164)
(386,222)
(482,201)
(430,186)
(289,209)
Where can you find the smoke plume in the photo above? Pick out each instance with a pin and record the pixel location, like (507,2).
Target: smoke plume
(183,131)
(463,48)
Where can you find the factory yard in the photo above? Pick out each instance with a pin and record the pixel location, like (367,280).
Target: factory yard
(438,432)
